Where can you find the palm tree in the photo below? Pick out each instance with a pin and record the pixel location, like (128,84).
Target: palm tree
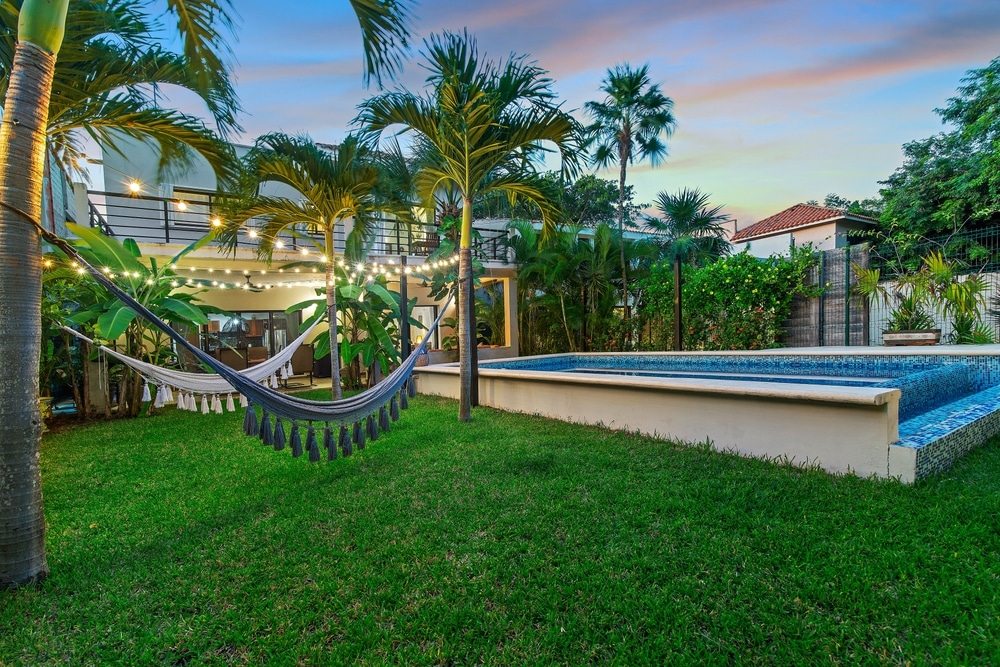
(690,232)
(484,122)
(40,30)
(334,186)
(629,126)
(110,76)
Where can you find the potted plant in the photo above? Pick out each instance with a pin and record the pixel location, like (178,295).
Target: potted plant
(910,300)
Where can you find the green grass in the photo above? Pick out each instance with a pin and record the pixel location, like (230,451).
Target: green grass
(175,540)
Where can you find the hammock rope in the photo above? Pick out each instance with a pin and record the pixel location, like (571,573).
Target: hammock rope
(359,410)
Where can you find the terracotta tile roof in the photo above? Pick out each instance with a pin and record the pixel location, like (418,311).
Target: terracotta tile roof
(800,215)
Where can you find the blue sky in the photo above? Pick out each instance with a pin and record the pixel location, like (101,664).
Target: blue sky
(777,102)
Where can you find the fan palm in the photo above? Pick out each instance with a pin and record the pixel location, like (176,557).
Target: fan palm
(484,122)
(691,231)
(334,186)
(688,228)
(629,126)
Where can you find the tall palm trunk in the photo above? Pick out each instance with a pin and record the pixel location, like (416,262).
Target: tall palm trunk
(466,342)
(331,316)
(621,238)
(22,155)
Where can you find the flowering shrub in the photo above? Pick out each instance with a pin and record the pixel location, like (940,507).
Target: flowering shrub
(737,303)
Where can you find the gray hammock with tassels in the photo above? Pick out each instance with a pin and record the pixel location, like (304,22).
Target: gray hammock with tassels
(359,418)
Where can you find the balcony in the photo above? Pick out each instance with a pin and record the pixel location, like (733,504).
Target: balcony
(159,220)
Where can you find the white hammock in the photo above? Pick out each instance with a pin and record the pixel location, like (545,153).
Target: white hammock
(205,384)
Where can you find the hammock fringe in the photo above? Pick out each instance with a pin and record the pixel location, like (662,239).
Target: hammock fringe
(345,440)
(371,428)
(250,422)
(394,409)
(359,436)
(329,444)
(279,435)
(266,434)
(311,445)
(404,401)
(295,441)
(383,419)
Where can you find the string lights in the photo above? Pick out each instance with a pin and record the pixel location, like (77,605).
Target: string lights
(363,272)
(357,272)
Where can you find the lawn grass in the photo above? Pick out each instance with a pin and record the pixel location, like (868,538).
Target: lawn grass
(175,540)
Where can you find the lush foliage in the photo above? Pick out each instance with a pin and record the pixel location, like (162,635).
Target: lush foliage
(950,180)
(583,202)
(569,287)
(688,228)
(737,303)
(152,285)
(512,540)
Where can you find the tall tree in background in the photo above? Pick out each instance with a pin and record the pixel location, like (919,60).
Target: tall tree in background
(484,121)
(333,185)
(629,125)
(951,179)
(41,27)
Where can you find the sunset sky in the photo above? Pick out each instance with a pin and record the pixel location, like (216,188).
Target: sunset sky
(777,102)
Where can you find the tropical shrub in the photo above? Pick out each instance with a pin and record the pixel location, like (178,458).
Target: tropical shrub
(736,303)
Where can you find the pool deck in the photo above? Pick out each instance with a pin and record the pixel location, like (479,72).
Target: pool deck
(843,429)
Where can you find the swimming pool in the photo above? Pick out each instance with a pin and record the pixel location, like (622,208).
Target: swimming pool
(888,412)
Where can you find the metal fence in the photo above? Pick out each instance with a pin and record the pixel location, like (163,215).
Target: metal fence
(157,220)
(839,316)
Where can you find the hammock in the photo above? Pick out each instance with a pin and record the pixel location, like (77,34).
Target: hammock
(203,384)
(384,399)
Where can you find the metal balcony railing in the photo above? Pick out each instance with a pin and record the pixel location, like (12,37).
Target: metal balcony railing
(160,220)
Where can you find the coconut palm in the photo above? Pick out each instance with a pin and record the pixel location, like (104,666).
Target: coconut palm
(629,126)
(334,185)
(484,121)
(690,232)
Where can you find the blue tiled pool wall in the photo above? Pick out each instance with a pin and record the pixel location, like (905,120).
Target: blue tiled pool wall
(930,389)
(984,370)
(943,436)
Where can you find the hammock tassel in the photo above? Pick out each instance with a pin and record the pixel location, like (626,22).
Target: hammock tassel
(279,435)
(243,401)
(229,403)
(204,404)
(329,444)
(296,441)
(372,428)
(266,434)
(274,381)
(404,402)
(345,440)
(383,419)
(359,436)
(216,404)
(192,403)
(411,388)
(287,368)
(180,402)
(168,394)
(311,445)
(394,409)
(146,397)
(158,403)
(250,422)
